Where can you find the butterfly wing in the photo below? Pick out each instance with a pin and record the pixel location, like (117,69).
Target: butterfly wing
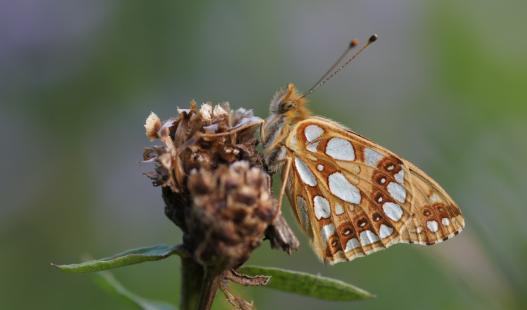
(353,197)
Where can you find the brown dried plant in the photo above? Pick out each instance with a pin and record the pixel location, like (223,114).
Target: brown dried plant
(216,190)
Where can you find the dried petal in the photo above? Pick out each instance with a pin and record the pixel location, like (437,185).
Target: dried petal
(219,112)
(206,112)
(152,126)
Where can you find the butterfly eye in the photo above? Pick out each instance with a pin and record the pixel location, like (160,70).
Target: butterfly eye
(286,106)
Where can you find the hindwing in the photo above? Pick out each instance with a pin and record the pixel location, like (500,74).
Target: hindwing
(353,197)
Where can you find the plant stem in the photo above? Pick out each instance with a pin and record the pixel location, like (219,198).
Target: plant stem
(191,282)
(198,286)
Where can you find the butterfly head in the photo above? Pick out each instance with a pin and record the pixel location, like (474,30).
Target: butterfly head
(287,108)
(289,104)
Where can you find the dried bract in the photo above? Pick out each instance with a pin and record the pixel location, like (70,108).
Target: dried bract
(152,126)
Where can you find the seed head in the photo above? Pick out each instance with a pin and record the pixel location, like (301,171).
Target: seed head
(232,209)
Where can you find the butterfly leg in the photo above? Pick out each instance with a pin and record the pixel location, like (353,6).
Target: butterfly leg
(232,131)
(287,170)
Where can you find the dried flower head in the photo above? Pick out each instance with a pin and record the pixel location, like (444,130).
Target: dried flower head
(200,138)
(212,181)
(216,190)
(232,209)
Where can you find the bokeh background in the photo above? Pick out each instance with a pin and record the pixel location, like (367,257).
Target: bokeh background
(445,87)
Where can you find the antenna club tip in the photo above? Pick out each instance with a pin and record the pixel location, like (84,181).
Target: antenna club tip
(373,38)
(354,43)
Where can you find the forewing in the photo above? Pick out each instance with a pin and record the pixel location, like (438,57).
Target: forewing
(353,197)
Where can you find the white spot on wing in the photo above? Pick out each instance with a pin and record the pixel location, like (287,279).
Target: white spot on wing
(343,189)
(432,226)
(372,157)
(351,244)
(385,231)
(305,174)
(340,149)
(445,221)
(322,209)
(326,232)
(339,209)
(320,167)
(399,177)
(397,192)
(435,198)
(312,132)
(392,210)
(312,147)
(368,237)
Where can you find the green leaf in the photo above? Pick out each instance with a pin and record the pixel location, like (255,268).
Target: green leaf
(108,282)
(130,257)
(308,284)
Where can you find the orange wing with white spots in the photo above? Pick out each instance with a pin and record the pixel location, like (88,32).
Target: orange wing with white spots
(353,197)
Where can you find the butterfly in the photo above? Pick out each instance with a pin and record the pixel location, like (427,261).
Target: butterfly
(351,196)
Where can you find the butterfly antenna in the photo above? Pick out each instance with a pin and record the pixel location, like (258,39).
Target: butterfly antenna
(351,46)
(335,68)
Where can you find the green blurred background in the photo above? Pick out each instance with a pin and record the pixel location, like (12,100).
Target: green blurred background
(445,87)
